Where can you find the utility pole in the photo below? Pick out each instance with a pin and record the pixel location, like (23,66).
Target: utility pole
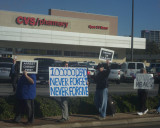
(132,31)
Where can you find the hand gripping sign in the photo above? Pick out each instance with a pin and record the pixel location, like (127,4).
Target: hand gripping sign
(67,81)
(106,54)
(31,66)
(144,81)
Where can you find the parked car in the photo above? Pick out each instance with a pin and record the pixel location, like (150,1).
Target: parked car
(58,63)
(43,69)
(115,73)
(72,64)
(3,59)
(5,68)
(130,69)
(152,67)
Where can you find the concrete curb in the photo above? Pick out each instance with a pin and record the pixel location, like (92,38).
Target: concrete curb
(96,123)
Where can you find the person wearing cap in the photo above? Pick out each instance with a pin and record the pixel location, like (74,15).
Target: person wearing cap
(14,72)
(101,94)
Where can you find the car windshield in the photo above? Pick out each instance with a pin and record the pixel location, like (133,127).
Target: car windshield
(157,69)
(45,62)
(5,65)
(152,65)
(115,66)
(131,66)
(10,60)
(72,64)
(157,65)
(92,66)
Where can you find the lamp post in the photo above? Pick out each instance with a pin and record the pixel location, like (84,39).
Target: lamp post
(132,31)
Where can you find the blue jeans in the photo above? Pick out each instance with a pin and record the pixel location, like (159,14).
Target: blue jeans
(101,97)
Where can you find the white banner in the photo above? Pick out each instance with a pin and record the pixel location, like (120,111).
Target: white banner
(106,54)
(67,81)
(144,81)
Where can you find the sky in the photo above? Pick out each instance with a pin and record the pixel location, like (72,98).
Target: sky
(146,12)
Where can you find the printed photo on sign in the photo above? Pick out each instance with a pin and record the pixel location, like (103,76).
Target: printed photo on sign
(67,81)
(106,54)
(31,66)
(144,81)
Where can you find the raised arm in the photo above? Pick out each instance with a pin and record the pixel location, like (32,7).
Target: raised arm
(30,80)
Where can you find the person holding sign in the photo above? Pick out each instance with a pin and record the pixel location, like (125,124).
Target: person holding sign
(26,93)
(101,94)
(142,97)
(14,72)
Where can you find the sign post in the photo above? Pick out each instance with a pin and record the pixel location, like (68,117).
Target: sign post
(68,82)
(106,54)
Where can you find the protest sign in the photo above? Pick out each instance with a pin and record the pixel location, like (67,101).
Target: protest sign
(31,66)
(106,54)
(144,81)
(67,81)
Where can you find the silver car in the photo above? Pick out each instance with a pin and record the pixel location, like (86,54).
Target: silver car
(5,68)
(115,73)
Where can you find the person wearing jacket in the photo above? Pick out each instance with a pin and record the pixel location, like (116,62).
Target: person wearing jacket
(142,97)
(101,94)
(14,72)
(25,94)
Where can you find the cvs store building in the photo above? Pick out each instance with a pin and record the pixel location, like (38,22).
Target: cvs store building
(63,35)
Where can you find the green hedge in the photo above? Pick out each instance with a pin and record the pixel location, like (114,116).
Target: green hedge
(46,106)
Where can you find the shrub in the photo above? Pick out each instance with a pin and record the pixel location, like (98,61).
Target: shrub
(47,106)
(6,110)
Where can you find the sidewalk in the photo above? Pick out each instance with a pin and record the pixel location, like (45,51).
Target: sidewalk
(78,120)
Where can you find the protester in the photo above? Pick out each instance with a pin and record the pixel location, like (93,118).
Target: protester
(14,72)
(64,104)
(26,93)
(142,97)
(101,94)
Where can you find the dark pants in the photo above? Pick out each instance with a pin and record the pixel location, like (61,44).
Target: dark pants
(14,79)
(142,96)
(23,105)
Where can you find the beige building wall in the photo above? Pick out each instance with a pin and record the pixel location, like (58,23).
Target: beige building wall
(77,22)
(9,19)
(113,20)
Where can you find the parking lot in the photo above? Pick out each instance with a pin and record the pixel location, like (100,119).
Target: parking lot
(114,89)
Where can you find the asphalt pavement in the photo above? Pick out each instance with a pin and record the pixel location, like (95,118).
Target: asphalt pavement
(114,89)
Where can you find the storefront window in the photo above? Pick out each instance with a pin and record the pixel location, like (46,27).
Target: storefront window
(80,54)
(115,56)
(67,53)
(58,52)
(34,51)
(42,52)
(26,51)
(50,52)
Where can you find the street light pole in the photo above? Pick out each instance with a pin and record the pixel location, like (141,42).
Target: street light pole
(132,30)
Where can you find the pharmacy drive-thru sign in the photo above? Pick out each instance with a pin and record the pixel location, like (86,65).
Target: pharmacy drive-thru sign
(31,66)
(106,54)
(67,81)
